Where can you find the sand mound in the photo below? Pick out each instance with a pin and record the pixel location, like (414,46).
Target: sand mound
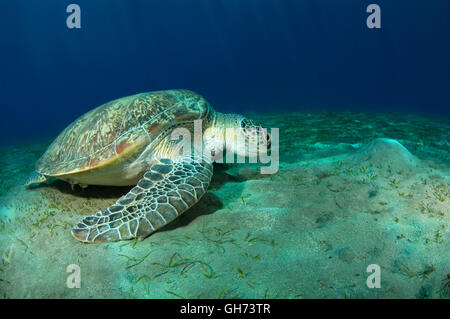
(385,152)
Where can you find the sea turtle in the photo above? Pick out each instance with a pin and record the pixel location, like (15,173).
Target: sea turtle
(129,141)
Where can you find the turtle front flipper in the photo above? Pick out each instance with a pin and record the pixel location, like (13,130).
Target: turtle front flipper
(35,178)
(167,190)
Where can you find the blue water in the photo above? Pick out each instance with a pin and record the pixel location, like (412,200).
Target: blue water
(253,55)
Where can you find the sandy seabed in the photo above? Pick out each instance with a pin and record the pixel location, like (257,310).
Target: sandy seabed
(353,189)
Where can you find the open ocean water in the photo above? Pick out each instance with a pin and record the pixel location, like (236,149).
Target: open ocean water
(357,104)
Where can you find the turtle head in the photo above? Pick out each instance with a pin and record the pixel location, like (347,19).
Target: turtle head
(245,137)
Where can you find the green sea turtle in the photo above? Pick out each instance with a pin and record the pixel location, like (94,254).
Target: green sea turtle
(129,141)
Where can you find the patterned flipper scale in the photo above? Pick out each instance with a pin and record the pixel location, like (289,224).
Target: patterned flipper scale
(167,190)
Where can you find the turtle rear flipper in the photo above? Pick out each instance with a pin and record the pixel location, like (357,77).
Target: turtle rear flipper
(167,190)
(35,178)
